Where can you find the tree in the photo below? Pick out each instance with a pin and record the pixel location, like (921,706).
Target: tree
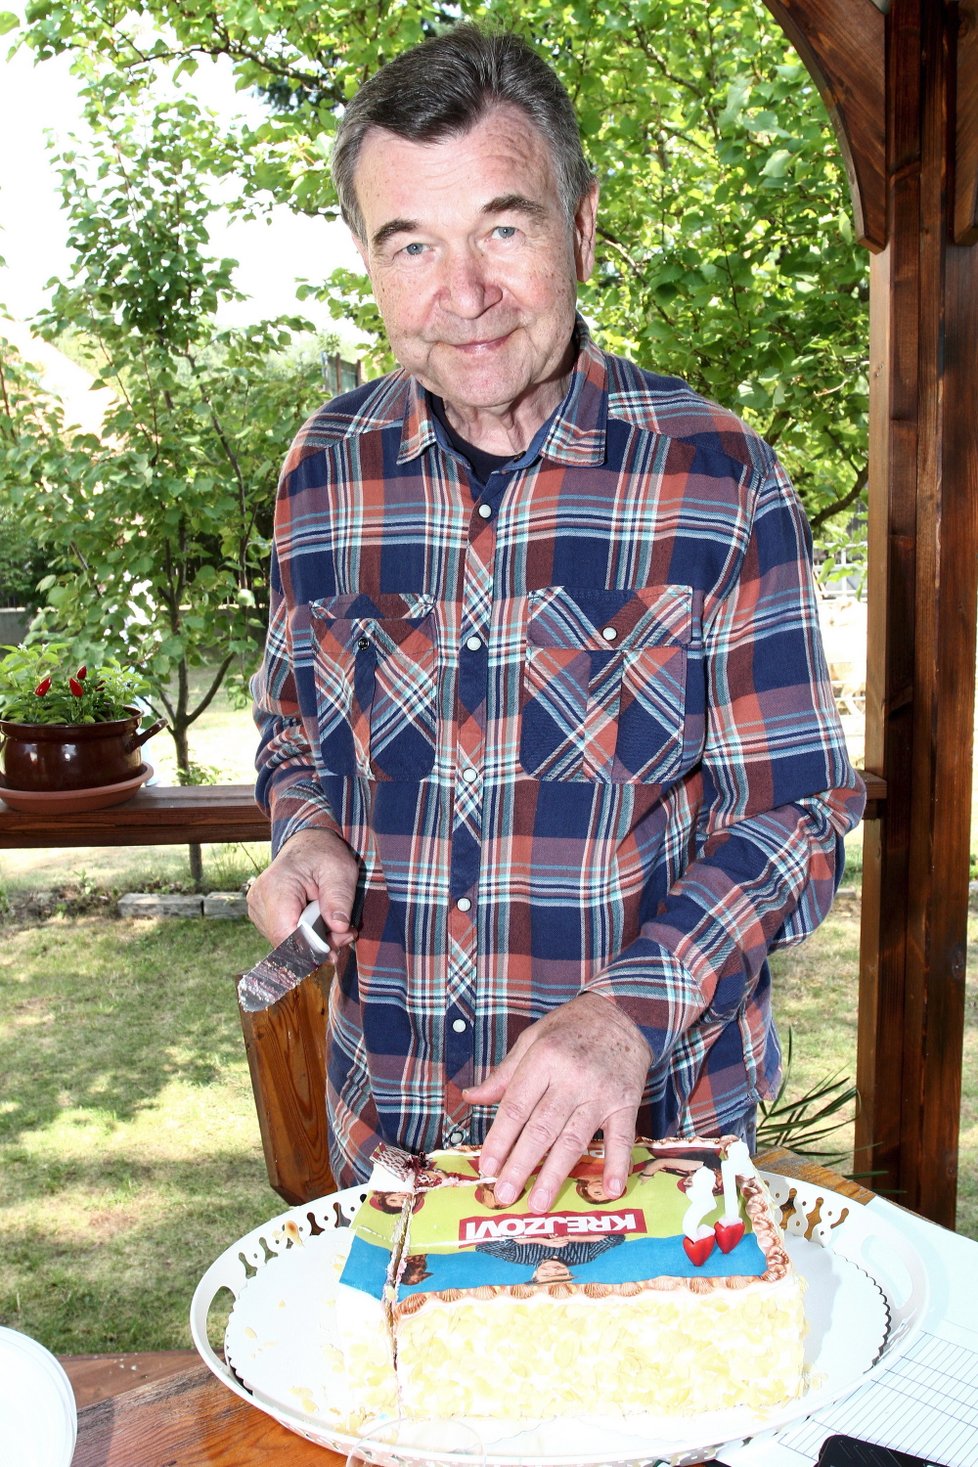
(22,563)
(740,274)
(158,533)
(726,249)
(26,423)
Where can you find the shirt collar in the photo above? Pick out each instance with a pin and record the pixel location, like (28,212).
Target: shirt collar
(575,435)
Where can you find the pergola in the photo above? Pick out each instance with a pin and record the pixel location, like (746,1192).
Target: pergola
(900,80)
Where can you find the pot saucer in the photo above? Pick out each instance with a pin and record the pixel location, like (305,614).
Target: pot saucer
(67,802)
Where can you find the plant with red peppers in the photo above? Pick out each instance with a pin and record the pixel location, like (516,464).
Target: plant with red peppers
(48,683)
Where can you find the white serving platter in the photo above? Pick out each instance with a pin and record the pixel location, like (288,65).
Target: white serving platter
(866,1297)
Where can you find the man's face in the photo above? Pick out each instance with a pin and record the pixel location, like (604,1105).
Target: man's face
(552,1271)
(475,266)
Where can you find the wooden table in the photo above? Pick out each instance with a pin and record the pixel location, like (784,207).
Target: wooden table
(192,1420)
(189,1420)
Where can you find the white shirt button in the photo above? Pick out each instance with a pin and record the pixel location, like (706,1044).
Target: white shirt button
(455,1138)
(473,643)
(459,1025)
(470,775)
(485,511)
(610,634)
(464,904)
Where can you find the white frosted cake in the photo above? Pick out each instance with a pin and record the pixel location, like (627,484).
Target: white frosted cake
(676,1298)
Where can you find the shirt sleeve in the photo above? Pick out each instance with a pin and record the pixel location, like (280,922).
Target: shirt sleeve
(778,795)
(288,787)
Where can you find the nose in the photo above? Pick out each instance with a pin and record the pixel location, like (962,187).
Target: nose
(467,287)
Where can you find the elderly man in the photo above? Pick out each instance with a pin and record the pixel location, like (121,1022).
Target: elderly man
(545,720)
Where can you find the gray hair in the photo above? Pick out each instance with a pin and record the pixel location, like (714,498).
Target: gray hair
(445,86)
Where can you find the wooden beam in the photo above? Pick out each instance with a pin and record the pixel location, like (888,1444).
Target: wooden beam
(921,645)
(158,815)
(966,125)
(842,43)
(875,794)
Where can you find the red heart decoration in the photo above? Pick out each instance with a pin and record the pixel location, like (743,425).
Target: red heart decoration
(699,1251)
(728,1235)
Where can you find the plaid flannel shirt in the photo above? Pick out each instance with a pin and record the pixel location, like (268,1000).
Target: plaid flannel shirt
(578,728)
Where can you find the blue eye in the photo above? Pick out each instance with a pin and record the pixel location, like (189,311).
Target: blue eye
(414,249)
(505,231)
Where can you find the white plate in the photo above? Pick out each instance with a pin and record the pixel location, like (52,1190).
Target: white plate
(38,1419)
(866,1297)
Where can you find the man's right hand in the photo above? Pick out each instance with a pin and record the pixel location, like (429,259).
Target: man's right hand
(315,865)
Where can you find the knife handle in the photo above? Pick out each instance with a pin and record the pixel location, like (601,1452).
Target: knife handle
(312,925)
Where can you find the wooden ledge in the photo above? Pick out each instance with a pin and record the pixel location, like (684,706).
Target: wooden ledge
(158,815)
(875,794)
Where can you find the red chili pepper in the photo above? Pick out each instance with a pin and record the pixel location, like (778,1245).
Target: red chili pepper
(76,688)
(42,687)
(82,673)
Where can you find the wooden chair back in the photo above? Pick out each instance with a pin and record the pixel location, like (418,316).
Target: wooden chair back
(286,1048)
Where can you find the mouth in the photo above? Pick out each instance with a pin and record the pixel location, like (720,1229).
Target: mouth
(480,348)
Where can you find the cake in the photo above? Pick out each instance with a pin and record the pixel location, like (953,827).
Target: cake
(676,1298)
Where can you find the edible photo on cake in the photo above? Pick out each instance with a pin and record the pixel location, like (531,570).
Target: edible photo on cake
(459,1238)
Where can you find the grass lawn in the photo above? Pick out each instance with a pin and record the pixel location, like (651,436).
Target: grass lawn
(129,1146)
(222,739)
(98,873)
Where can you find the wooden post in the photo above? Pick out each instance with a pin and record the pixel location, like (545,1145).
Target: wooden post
(922,599)
(900,81)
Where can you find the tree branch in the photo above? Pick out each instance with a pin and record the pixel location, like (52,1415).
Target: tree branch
(853,496)
(213,689)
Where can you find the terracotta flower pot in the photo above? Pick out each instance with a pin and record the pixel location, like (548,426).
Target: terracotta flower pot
(72,756)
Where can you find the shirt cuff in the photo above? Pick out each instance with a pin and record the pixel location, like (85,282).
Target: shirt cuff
(299,805)
(653,988)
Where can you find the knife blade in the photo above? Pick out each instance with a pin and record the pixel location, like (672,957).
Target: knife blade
(300,954)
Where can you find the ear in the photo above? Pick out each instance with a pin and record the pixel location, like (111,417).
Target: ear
(584,225)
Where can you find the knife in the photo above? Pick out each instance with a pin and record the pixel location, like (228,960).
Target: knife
(300,954)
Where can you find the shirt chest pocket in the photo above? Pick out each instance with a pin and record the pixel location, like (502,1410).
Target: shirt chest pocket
(376,673)
(612,684)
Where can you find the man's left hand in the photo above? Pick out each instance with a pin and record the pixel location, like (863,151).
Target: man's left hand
(580,1069)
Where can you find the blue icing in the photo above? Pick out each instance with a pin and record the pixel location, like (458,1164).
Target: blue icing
(635,1260)
(667,1256)
(366,1267)
(468,1270)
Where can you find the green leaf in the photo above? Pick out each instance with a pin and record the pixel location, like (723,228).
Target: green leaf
(777,165)
(736,96)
